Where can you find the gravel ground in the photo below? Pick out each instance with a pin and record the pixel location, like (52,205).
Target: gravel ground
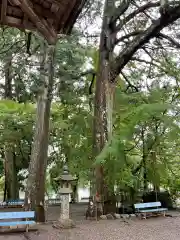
(151,229)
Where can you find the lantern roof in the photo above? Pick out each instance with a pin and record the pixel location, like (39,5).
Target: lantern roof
(65,176)
(48,17)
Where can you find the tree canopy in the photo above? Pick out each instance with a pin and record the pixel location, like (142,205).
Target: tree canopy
(114,112)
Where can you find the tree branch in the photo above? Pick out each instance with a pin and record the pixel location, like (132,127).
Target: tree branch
(171,40)
(136,12)
(90,71)
(146,62)
(151,32)
(132,34)
(121,9)
(129,83)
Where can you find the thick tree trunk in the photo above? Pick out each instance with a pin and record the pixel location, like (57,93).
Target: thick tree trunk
(100,129)
(156,179)
(144,159)
(37,169)
(109,91)
(145,179)
(11,183)
(74,194)
(5,190)
(8,77)
(103,106)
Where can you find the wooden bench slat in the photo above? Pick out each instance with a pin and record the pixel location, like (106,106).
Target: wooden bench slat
(8,217)
(15,201)
(16,215)
(164,209)
(147,205)
(12,203)
(153,210)
(56,201)
(3,224)
(151,207)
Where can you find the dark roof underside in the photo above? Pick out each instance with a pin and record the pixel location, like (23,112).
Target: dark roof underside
(48,17)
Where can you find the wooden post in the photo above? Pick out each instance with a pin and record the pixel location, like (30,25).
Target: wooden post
(38,164)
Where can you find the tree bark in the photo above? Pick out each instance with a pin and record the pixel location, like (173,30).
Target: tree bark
(5,190)
(156,182)
(37,169)
(8,77)
(144,159)
(145,180)
(103,104)
(11,183)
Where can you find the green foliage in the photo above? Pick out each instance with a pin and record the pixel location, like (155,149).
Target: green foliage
(144,121)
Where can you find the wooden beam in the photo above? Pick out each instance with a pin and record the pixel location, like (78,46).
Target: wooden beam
(43,11)
(39,10)
(3,11)
(49,27)
(26,7)
(76,10)
(14,2)
(16,22)
(66,14)
(14,12)
(54,8)
(60,2)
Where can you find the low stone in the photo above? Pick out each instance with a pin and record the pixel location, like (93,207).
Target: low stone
(109,216)
(15,227)
(117,216)
(103,217)
(64,223)
(132,215)
(124,215)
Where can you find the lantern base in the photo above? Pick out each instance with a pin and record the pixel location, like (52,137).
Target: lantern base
(64,223)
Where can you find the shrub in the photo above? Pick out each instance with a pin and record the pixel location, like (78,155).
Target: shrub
(163,197)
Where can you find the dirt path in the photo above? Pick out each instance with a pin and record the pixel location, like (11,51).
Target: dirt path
(151,229)
(159,228)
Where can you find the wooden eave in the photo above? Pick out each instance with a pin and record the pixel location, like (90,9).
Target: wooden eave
(48,17)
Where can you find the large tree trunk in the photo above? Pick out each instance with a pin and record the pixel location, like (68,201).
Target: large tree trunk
(156,178)
(144,161)
(11,183)
(103,107)
(145,179)
(37,169)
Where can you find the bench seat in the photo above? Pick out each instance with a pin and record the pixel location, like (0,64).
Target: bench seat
(3,224)
(151,207)
(154,210)
(8,219)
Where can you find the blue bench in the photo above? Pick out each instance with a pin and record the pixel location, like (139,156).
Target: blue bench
(12,203)
(17,202)
(151,207)
(54,202)
(15,219)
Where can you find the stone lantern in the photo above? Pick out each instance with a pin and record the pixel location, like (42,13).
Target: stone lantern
(65,190)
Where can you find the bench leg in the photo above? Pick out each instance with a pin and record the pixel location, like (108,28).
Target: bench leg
(164,213)
(27,228)
(143,216)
